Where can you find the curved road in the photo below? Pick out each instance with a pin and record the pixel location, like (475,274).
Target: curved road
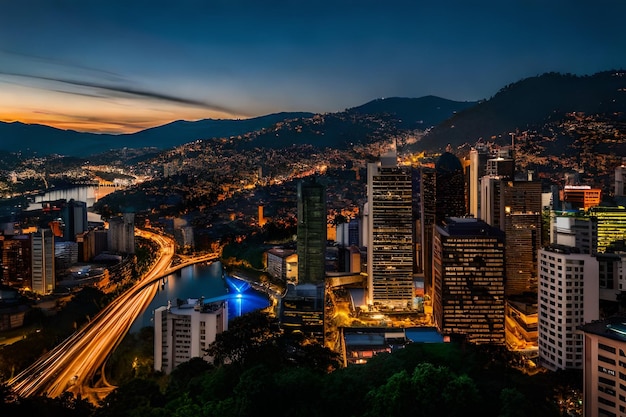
(76,365)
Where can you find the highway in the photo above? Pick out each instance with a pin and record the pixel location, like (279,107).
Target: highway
(77,364)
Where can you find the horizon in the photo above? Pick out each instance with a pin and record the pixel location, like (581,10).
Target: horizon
(122,68)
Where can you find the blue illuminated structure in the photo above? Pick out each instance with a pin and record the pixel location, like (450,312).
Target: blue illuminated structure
(241,298)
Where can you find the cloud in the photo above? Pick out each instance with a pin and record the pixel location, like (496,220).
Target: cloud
(118,90)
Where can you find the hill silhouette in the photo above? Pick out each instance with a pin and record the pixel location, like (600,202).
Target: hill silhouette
(530,104)
(45,140)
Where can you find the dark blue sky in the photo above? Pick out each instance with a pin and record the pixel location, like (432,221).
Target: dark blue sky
(125,65)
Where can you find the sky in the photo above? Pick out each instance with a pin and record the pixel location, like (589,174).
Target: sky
(119,66)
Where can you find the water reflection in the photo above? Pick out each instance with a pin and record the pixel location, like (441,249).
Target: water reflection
(206,281)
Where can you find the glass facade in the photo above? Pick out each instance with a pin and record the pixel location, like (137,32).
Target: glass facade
(311,240)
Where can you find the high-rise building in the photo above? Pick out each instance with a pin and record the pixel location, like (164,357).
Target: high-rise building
(478,167)
(611,223)
(604,367)
(121,236)
(568,298)
(427,223)
(523,240)
(74,215)
(15,260)
(390,243)
(468,281)
(42,264)
(186,331)
(311,232)
(449,188)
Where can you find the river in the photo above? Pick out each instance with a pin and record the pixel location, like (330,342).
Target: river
(202,280)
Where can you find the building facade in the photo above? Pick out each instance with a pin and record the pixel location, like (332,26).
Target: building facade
(604,367)
(185,332)
(311,240)
(469,273)
(121,235)
(42,263)
(568,298)
(611,223)
(390,243)
(283,264)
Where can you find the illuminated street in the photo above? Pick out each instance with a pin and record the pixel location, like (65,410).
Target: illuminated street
(76,365)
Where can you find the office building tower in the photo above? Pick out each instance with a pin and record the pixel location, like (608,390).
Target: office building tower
(514,206)
(491,201)
(427,223)
(468,280)
(74,215)
(390,242)
(611,224)
(121,237)
(521,220)
(186,331)
(604,367)
(523,240)
(568,298)
(311,231)
(15,260)
(42,263)
(478,166)
(449,188)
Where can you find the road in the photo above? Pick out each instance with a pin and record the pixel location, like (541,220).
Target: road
(77,364)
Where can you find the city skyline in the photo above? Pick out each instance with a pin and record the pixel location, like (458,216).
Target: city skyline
(118,67)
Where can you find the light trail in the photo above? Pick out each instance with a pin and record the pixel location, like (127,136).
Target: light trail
(76,365)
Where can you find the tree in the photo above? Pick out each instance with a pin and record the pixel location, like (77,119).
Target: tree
(245,334)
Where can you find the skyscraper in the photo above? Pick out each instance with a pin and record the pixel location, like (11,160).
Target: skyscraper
(449,188)
(42,265)
(74,215)
(478,166)
(427,222)
(390,244)
(468,281)
(311,240)
(121,235)
(568,297)
(186,331)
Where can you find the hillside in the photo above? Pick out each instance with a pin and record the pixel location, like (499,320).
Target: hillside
(377,120)
(44,140)
(382,118)
(530,104)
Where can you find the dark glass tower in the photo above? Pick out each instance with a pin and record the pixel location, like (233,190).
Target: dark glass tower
(311,243)
(449,188)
